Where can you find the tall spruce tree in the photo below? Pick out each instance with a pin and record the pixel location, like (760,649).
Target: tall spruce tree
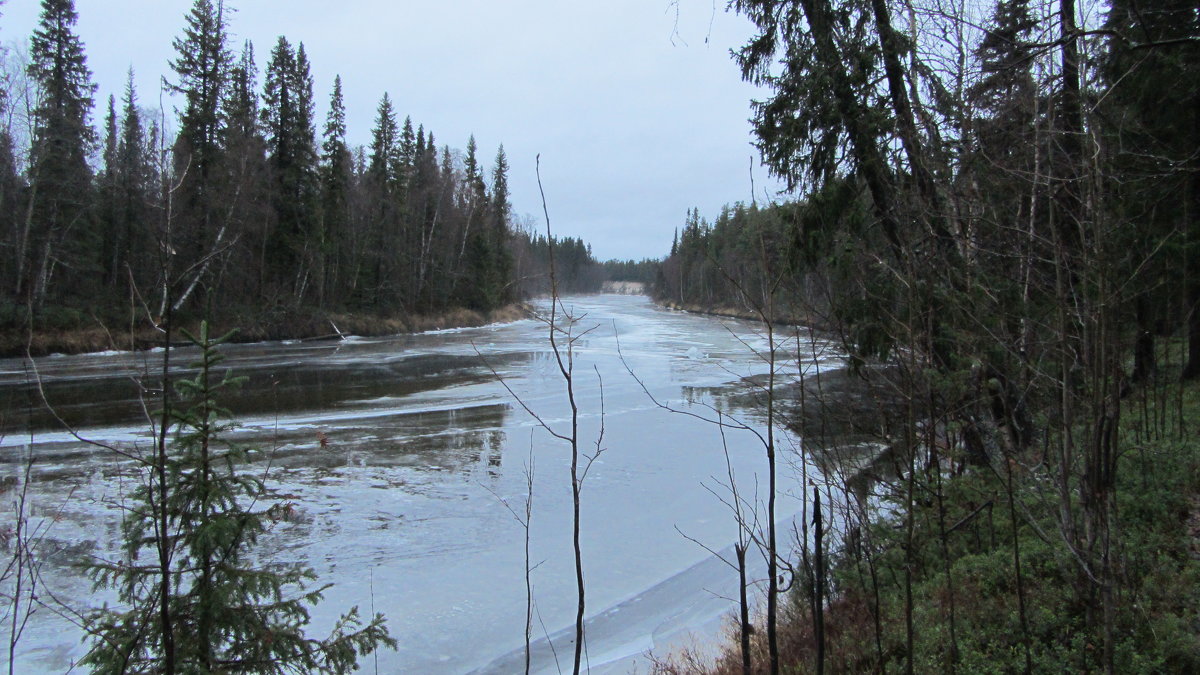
(407,152)
(106,199)
(232,614)
(288,120)
(489,260)
(337,174)
(248,199)
(377,286)
(133,183)
(202,67)
(500,213)
(58,234)
(384,156)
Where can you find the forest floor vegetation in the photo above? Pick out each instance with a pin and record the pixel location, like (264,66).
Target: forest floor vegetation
(968,613)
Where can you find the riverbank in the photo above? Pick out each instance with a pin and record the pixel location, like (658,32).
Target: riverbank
(94,335)
(977,562)
(977,547)
(783,317)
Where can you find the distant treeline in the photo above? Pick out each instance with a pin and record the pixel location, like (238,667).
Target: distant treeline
(575,268)
(247,208)
(736,259)
(644,271)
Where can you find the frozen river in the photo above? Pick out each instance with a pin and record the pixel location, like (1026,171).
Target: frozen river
(395,454)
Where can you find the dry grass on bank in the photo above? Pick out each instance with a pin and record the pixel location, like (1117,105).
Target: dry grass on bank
(285,326)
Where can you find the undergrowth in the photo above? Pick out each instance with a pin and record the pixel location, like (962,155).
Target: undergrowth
(1155,554)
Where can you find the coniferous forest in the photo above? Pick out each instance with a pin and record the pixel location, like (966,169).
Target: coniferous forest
(252,213)
(997,214)
(975,317)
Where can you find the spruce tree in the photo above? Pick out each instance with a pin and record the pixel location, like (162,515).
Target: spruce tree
(407,150)
(246,158)
(241,104)
(59,225)
(489,260)
(376,287)
(307,181)
(474,175)
(499,232)
(110,248)
(133,181)
(202,66)
(230,613)
(288,120)
(336,183)
(384,149)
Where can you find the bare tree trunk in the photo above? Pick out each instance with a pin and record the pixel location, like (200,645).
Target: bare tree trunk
(1191,370)
(819,581)
(162,517)
(567,370)
(739,550)
(772,542)
(23,242)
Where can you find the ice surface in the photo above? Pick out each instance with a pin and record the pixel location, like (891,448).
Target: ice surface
(396,453)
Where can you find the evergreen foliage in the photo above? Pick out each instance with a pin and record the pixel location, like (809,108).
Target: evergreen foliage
(337,176)
(247,217)
(231,614)
(202,66)
(1009,236)
(59,235)
(577,271)
(287,117)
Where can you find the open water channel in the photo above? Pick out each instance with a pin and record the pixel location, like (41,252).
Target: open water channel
(393,456)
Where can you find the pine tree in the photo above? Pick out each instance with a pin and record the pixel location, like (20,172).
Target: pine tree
(59,227)
(231,614)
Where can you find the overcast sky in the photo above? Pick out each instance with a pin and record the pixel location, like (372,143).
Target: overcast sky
(637,116)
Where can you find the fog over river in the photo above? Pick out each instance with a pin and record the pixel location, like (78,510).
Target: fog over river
(394,454)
